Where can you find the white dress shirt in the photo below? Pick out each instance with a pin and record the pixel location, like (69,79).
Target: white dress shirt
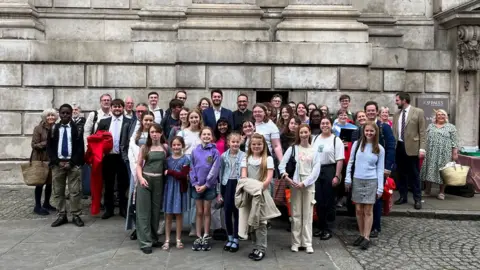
(157,113)
(60,141)
(404,111)
(217,113)
(116,124)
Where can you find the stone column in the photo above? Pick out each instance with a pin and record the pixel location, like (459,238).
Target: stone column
(322,21)
(222,20)
(19,20)
(467,109)
(159,19)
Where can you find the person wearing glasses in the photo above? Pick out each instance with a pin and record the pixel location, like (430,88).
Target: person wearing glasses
(242,113)
(95,117)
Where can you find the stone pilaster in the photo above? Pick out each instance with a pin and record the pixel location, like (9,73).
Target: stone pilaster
(321,21)
(159,20)
(19,20)
(224,20)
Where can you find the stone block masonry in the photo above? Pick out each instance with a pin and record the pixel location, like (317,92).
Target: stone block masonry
(314,50)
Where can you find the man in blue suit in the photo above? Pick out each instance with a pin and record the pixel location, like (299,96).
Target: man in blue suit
(212,114)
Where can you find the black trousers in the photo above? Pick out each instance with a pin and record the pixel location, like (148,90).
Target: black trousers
(325,196)
(114,168)
(408,170)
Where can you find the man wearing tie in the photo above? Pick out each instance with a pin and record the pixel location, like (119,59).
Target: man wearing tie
(65,151)
(114,163)
(409,130)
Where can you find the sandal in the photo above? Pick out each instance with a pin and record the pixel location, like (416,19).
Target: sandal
(441,196)
(166,246)
(179,244)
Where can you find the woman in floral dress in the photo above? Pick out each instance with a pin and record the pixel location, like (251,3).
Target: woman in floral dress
(442,147)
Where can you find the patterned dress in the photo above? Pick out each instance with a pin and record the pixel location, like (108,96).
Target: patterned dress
(440,142)
(174,201)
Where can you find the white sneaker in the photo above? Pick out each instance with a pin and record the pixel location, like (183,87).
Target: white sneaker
(193,232)
(294,249)
(310,250)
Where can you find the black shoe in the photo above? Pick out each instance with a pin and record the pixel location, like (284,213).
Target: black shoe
(365,244)
(374,233)
(60,221)
(227,246)
(400,201)
(326,235)
(253,253)
(49,207)
(157,244)
(418,205)
(147,250)
(358,241)
(133,236)
(235,247)
(259,256)
(78,221)
(123,213)
(318,233)
(40,211)
(107,215)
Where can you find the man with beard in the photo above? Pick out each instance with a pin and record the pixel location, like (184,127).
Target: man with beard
(115,163)
(409,130)
(242,113)
(212,114)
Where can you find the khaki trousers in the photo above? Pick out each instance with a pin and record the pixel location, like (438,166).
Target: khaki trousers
(302,202)
(60,178)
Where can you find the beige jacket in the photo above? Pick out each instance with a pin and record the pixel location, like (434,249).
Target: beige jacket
(414,130)
(258,202)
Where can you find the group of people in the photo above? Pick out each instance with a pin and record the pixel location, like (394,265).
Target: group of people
(173,164)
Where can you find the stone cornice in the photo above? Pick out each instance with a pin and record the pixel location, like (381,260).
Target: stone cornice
(462,15)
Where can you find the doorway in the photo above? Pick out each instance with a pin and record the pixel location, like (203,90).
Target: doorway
(266,96)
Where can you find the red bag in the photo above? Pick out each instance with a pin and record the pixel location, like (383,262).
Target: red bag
(388,196)
(289,207)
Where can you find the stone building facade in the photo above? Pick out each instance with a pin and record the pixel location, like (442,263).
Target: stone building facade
(57,51)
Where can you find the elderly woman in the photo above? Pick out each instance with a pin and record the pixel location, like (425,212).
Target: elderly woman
(441,147)
(39,152)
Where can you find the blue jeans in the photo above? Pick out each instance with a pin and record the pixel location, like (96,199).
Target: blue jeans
(377,215)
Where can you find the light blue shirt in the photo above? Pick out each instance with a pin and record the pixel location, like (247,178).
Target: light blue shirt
(367,165)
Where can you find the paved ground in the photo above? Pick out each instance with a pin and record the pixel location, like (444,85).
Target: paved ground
(413,243)
(27,242)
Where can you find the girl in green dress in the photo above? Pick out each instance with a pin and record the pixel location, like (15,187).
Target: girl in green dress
(150,169)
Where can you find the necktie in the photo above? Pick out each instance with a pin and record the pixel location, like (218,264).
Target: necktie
(65,142)
(402,134)
(116,145)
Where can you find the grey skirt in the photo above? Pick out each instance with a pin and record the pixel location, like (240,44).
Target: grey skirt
(364,191)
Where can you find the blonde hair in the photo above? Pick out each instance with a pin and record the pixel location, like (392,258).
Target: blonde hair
(200,119)
(439,111)
(383,108)
(264,155)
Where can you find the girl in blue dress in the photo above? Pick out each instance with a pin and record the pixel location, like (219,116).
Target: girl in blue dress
(175,200)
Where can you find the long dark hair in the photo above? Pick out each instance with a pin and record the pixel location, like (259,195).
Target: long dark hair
(282,123)
(148,145)
(140,129)
(217,133)
(286,129)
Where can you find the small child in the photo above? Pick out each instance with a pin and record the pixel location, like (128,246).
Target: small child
(205,163)
(258,165)
(176,200)
(229,174)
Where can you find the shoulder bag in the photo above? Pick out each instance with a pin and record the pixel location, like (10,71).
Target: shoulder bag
(35,172)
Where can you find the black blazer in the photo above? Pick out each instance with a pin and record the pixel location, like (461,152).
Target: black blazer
(77,145)
(104,124)
(209,117)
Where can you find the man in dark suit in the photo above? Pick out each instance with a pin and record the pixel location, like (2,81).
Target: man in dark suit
(242,113)
(65,151)
(409,130)
(212,114)
(115,163)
